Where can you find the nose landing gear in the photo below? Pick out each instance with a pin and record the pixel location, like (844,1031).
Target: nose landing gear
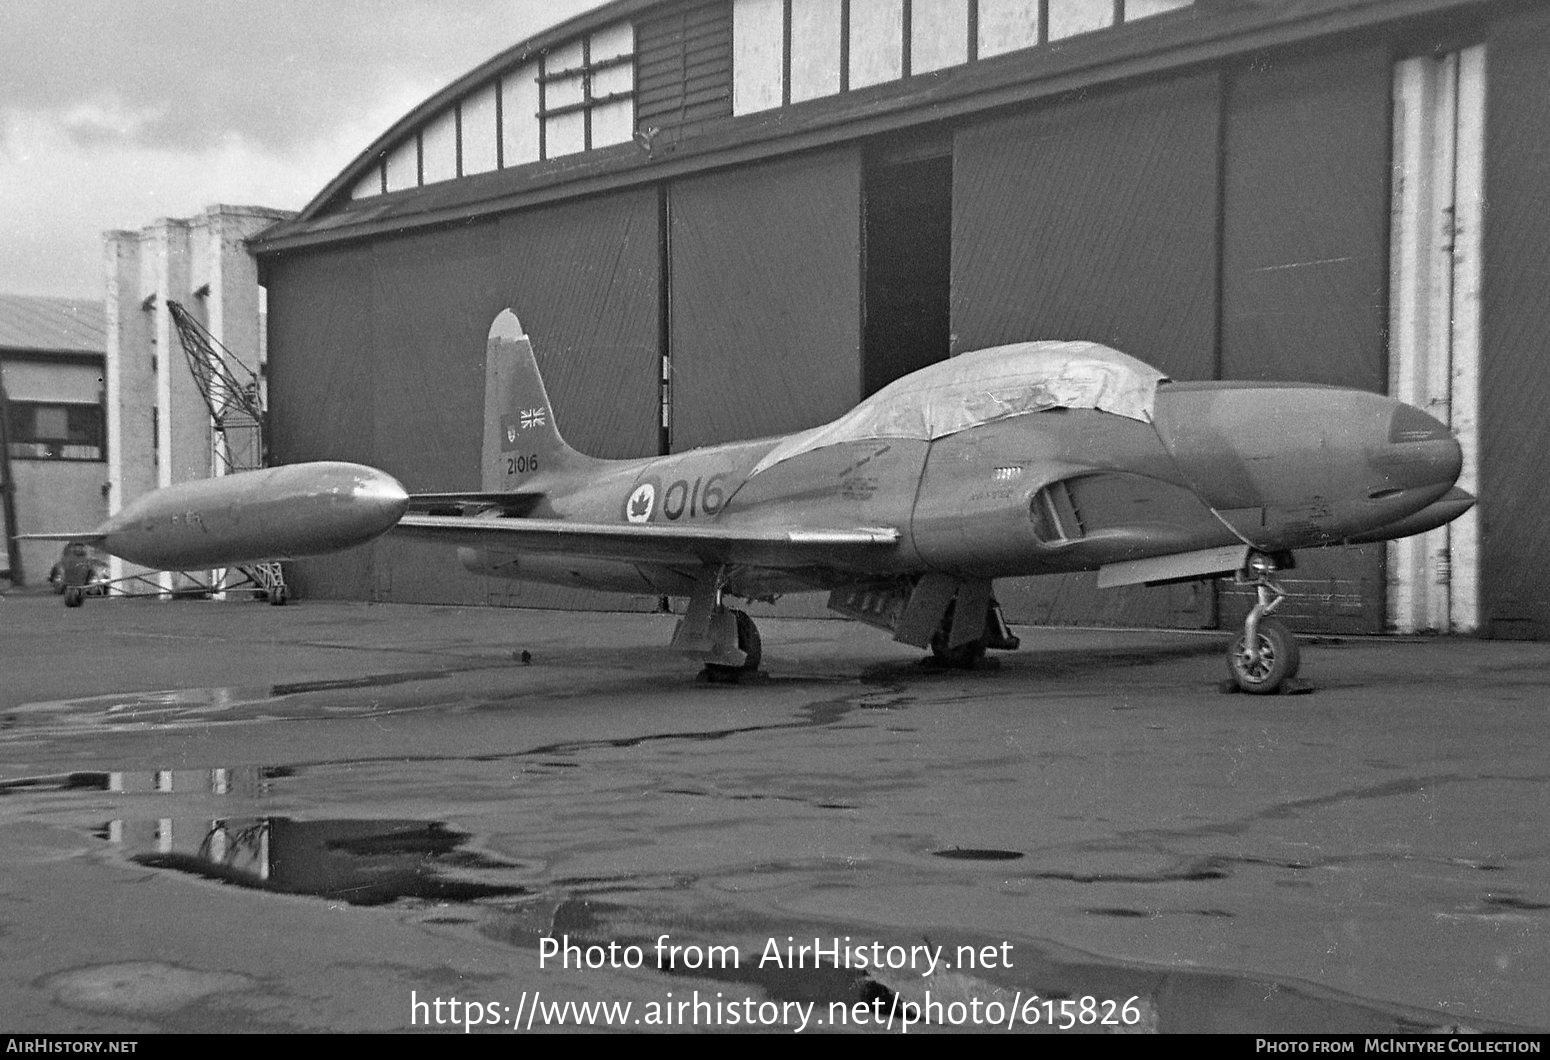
(1264,658)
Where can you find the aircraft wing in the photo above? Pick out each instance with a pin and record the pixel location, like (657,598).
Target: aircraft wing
(508,501)
(88,537)
(653,542)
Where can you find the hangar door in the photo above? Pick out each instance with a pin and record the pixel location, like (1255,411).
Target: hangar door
(764,298)
(1305,270)
(763,294)
(584,278)
(383,359)
(1515,417)
(1094,218)
(322,389)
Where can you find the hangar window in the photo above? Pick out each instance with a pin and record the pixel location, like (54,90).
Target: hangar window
(575,97)
(478,132)
(44,431)
(586,94)
(939,34)
(694,62)
(438,148)
(787,51)
(1067,18)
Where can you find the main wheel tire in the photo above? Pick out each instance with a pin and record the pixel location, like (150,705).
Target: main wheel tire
(1279,658)
(279,595)
(75,596)
(963,657)
(749,643)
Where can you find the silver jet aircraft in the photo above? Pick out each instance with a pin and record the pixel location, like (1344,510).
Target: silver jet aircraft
(1032,458)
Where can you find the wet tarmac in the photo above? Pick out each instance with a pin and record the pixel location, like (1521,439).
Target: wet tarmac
(233,817)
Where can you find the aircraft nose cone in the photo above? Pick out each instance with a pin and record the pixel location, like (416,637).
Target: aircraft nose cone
(1418,450)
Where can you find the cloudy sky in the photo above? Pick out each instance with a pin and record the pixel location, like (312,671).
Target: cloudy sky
(116,112)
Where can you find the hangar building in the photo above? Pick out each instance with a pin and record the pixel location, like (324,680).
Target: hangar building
(726,218)
(54,465)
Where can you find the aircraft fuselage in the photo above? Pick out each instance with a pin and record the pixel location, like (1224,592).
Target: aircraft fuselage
(1277,467)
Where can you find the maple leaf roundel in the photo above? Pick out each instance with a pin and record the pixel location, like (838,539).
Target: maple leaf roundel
(642,502)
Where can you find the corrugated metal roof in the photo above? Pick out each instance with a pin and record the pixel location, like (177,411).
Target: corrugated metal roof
(53,325)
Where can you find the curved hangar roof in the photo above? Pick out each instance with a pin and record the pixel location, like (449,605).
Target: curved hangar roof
(635,80)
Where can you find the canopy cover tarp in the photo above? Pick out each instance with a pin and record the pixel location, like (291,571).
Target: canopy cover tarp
(987,385)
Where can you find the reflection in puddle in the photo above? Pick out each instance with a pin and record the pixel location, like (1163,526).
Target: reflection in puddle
(246,781)
(224,697)
(375,862)
(355,861)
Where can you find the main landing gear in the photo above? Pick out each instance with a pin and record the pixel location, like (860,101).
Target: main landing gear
(967,654)
(725,640)
(1264,658)
(749,643)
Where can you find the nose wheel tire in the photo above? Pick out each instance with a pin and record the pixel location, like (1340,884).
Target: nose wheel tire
(1273,660)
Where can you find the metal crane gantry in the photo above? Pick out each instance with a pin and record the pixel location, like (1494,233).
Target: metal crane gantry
(233,394)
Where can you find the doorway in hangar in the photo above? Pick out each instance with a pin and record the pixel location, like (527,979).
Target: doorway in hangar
(907,225)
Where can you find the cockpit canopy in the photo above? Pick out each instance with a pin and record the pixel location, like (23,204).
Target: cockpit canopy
(988,385)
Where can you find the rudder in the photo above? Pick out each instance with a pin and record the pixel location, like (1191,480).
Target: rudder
(521,438)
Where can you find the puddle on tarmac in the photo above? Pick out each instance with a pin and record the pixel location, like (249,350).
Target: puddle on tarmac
(512,900)
(361,862)
(166,707)
(248,781)
(378,862)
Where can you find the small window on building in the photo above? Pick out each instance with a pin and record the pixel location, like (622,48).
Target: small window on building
(41,431)
(478,151)
(758,45)
(815,49)
(1007,25)
(588,92)
(1067,18)
(519,116)
(1135,9)
(939,34)
(439,149)
(403,165)
(876,42)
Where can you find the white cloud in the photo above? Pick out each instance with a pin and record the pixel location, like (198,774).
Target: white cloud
(65,178)
(109,117)
(116,114)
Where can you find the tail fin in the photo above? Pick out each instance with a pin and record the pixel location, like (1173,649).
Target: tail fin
(521,438)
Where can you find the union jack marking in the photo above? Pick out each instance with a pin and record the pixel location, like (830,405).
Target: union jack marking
(534,418)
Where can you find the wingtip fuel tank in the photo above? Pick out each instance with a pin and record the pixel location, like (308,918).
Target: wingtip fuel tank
(274,513)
